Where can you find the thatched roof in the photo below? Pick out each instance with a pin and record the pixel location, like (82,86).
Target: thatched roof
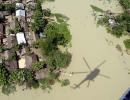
(1,31)
(41,74)
(27,60)
(32,58)
(11,41)
(11,64)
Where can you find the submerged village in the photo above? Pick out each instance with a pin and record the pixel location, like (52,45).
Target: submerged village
(32,45)
(37,50)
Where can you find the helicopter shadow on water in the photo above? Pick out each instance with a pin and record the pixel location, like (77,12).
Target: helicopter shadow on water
(92,74)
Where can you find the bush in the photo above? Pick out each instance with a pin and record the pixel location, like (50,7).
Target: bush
(103,21)
(127,43)
(65,82)
(118,31)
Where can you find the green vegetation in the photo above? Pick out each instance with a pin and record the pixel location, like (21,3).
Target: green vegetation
(125,3)
(38,65)
(127,43)
(58,59)
(122,21)
(39,21)
(7,7)
(17,26)
(2,48)
(3,75)
(47,12)
(65,82)
(8,89)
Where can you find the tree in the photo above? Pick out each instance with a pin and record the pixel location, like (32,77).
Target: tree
(125,3)
(8,89)
(2,48)
(39,22)
(57,34)
(118,30)
(17,76)
(45,84)
(38,65)
(46,12)
(58,59)
(3,75)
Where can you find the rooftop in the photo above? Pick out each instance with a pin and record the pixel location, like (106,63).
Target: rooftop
(20,13)
(20,38)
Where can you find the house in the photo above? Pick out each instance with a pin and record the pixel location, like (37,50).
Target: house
(1,17)
(11,64)
(11,41)
(1,31)
(20,13)
(21,38)
(41,74)
(27,60)
(30,59)
(10,60)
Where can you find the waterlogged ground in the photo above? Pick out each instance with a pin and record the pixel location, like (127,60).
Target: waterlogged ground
(96,45)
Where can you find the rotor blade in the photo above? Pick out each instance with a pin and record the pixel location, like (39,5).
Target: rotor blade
(104,76)
(87,64)
(79,72)
(88,83)
(101,64)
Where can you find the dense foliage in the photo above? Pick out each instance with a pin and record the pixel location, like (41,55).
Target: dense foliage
(7,7)
(3,75)
(125,3)
(58,59)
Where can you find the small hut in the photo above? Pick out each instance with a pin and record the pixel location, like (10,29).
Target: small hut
(41,74)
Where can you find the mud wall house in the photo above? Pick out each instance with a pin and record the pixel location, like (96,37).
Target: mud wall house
(10,62)
(1,32)
(11,41)
(41,74)
(27,60)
